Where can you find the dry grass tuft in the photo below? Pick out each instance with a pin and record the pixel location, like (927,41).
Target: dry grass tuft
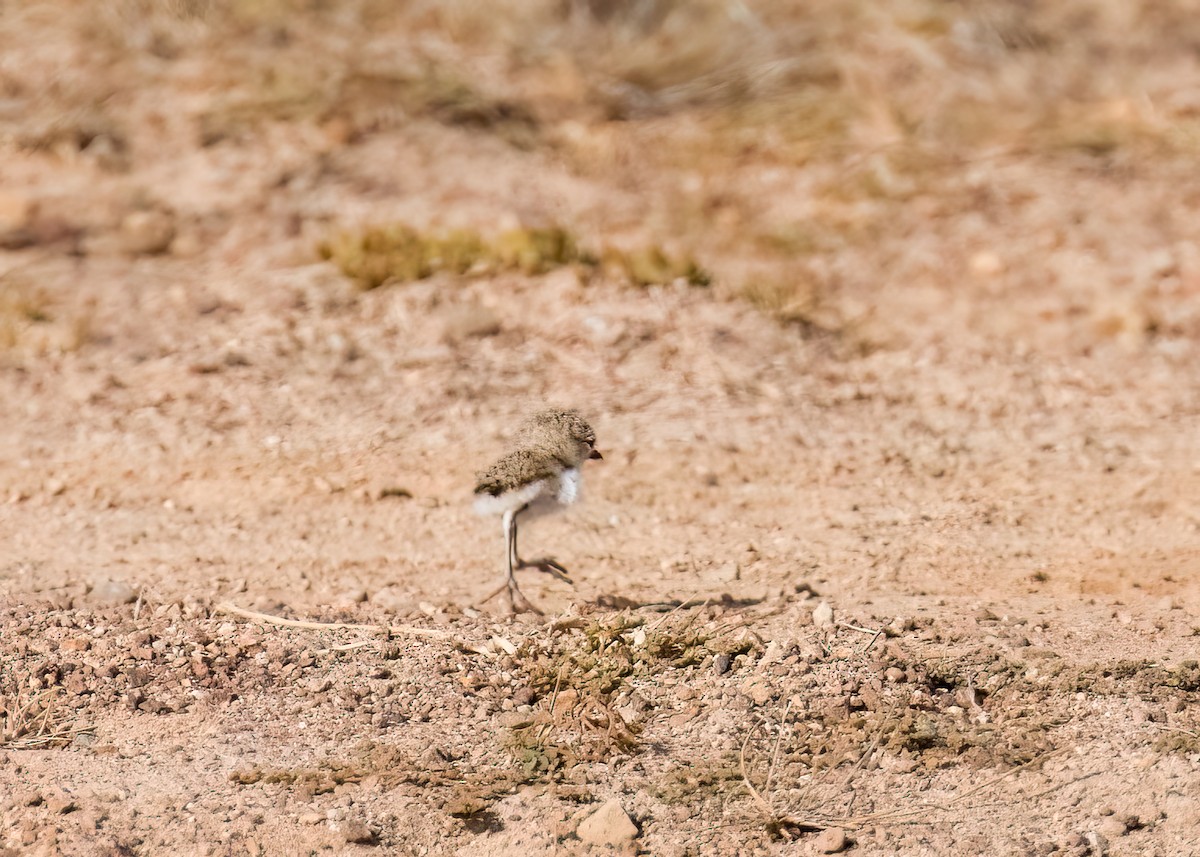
(359,100)
(34,721)
(27,325)
(585,684)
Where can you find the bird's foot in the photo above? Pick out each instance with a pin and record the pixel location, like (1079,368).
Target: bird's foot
(520,604)
(549,566)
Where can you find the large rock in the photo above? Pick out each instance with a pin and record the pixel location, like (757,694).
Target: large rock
(609,825)
(112,593)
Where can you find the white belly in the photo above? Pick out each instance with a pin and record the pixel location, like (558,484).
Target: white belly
(542,497)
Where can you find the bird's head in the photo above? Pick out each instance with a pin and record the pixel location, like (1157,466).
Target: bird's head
(566,432)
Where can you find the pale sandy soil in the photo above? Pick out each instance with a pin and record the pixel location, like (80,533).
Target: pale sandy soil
(978,439)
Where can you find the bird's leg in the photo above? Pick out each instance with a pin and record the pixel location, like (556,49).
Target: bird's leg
(519,601)
(514,557)
(549,566)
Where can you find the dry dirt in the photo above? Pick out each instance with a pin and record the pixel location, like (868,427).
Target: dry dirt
(895,544)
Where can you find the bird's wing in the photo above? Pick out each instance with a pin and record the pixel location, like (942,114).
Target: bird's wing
(516,470)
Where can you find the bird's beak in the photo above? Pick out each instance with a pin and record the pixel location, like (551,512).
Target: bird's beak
(595,454)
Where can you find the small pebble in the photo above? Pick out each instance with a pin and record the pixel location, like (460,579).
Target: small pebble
(357,832)
(823,615)
(831,840)
(318,685)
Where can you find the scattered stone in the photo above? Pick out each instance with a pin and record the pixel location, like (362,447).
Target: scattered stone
(318,685)
(1150,713)
(61,804)
(356,832)
(112,592)
(16,210)
(831,840)
(773,653)
(729,572)
(311,818)
(17,213)
(722,663)
(985,263)
(759,693)
(350,598)
(823,615)
(394,600)
(1112,827)
(899,766)
(894,674)
(609,825)
(1131,821)
(516,719)
(469,321)
(1097,843)
(147,233)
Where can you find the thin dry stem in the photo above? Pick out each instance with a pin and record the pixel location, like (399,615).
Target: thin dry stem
(390,630)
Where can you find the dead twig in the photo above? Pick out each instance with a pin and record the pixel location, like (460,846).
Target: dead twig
(778,742)
(1165,728)
(818,821)
(27,724)
(686,603)
(390,630)
(875,633)
(858,628)
(773,819)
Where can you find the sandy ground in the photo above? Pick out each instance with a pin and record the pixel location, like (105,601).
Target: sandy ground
(914,577)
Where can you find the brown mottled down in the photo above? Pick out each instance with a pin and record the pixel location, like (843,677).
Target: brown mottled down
(540,476)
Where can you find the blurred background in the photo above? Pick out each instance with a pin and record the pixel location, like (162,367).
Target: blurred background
(886,293)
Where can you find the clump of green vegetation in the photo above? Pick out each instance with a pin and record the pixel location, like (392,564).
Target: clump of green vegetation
(397,252)
(400,253)
(648,266)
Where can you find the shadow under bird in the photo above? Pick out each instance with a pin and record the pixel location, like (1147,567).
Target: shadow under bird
(541,475)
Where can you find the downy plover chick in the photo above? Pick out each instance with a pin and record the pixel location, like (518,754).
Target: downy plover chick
(540,476)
